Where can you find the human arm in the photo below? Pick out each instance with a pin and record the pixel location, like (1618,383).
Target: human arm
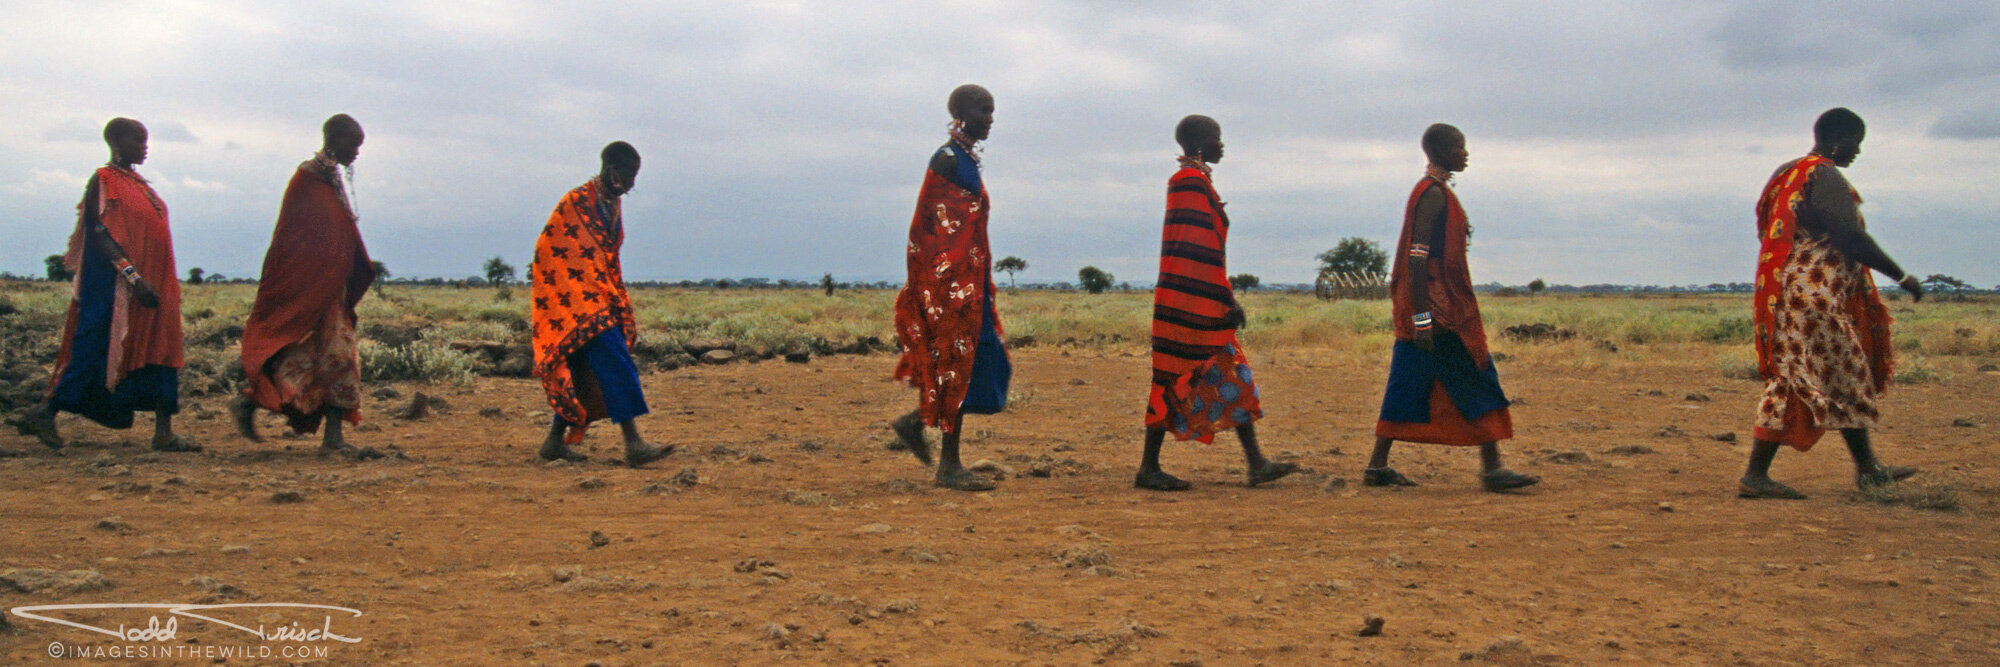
(1425,226)
(101,238)
(1836,216)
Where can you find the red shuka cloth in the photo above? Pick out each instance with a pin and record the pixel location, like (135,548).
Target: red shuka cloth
(579,293)
(939,312)
(1191,304)
(316,264)
(137,220)
(1453,306)
(1777,231)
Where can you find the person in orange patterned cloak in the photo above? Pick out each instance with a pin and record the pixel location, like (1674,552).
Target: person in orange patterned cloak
(1822,333)
(299,353)
(583,318)
(121,348)
(945,317)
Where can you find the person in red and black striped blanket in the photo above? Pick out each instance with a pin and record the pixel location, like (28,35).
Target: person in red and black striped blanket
(1201,378)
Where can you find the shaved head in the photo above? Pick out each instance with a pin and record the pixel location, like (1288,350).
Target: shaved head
(123,128)
(964,98)
(1838,124)
(339,125)
(620,154)
(1195,132)
(1439,140)
(972,107)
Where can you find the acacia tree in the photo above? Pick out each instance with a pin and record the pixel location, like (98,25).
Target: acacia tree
(1010,264)
(826,283)
(1243,282)
(1094,280)
(57,271)
(1537,286)
(1940,282)
(498,271)
(194,275)
(1355,255)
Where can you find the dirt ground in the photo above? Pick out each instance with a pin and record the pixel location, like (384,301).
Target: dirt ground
(784,530)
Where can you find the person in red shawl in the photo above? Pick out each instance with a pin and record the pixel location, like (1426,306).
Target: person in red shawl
(945,317)
(299,350)
(121,345)
(1822,333)
(1442,387)
(583,318)
(1201,378)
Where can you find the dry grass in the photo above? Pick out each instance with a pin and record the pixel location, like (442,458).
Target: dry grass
(1925,494)
(1936,340)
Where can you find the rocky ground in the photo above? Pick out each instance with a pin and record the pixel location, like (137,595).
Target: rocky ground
(785,529)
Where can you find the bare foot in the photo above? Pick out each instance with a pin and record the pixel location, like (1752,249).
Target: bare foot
(244,414)
(1270,471)
(963,480)
(174,443)
(555,450)
(1503,479)
(640,453)
(1765,487)
(910,431)
(1157,480)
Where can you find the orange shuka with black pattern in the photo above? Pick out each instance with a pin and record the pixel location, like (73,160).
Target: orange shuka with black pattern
(579,293)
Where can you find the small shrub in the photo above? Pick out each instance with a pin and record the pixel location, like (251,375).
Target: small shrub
(422,361)
(1936,496)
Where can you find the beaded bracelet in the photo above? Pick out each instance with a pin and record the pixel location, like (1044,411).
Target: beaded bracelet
(126,269)
(1422,320)
(1420,251)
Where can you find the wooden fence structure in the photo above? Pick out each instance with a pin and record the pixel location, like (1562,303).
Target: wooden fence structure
(1351,285)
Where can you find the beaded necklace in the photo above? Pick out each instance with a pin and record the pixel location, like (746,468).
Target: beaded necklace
(1197,163)
(151,197)
(966,143)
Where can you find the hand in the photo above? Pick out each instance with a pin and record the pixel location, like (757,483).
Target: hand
(1236,317)
(144,294)
(1423,340)
(1915,287)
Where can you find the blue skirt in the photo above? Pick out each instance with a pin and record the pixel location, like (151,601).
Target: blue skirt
(610,365)
(1412,371)
(81,389)
(991,371)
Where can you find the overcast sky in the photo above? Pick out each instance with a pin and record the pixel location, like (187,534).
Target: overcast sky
(1611,141)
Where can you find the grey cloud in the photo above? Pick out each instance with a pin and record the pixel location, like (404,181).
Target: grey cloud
(788,140)
(1981,122)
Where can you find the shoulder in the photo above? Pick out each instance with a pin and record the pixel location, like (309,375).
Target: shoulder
(1826,172)
(1429,192)
(944,160)
(1187,179)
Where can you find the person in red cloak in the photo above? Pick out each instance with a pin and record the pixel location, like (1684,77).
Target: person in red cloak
(1201,376)
(1823,344)
(945,317)
(121,347)
(1442,387)
(299,345)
